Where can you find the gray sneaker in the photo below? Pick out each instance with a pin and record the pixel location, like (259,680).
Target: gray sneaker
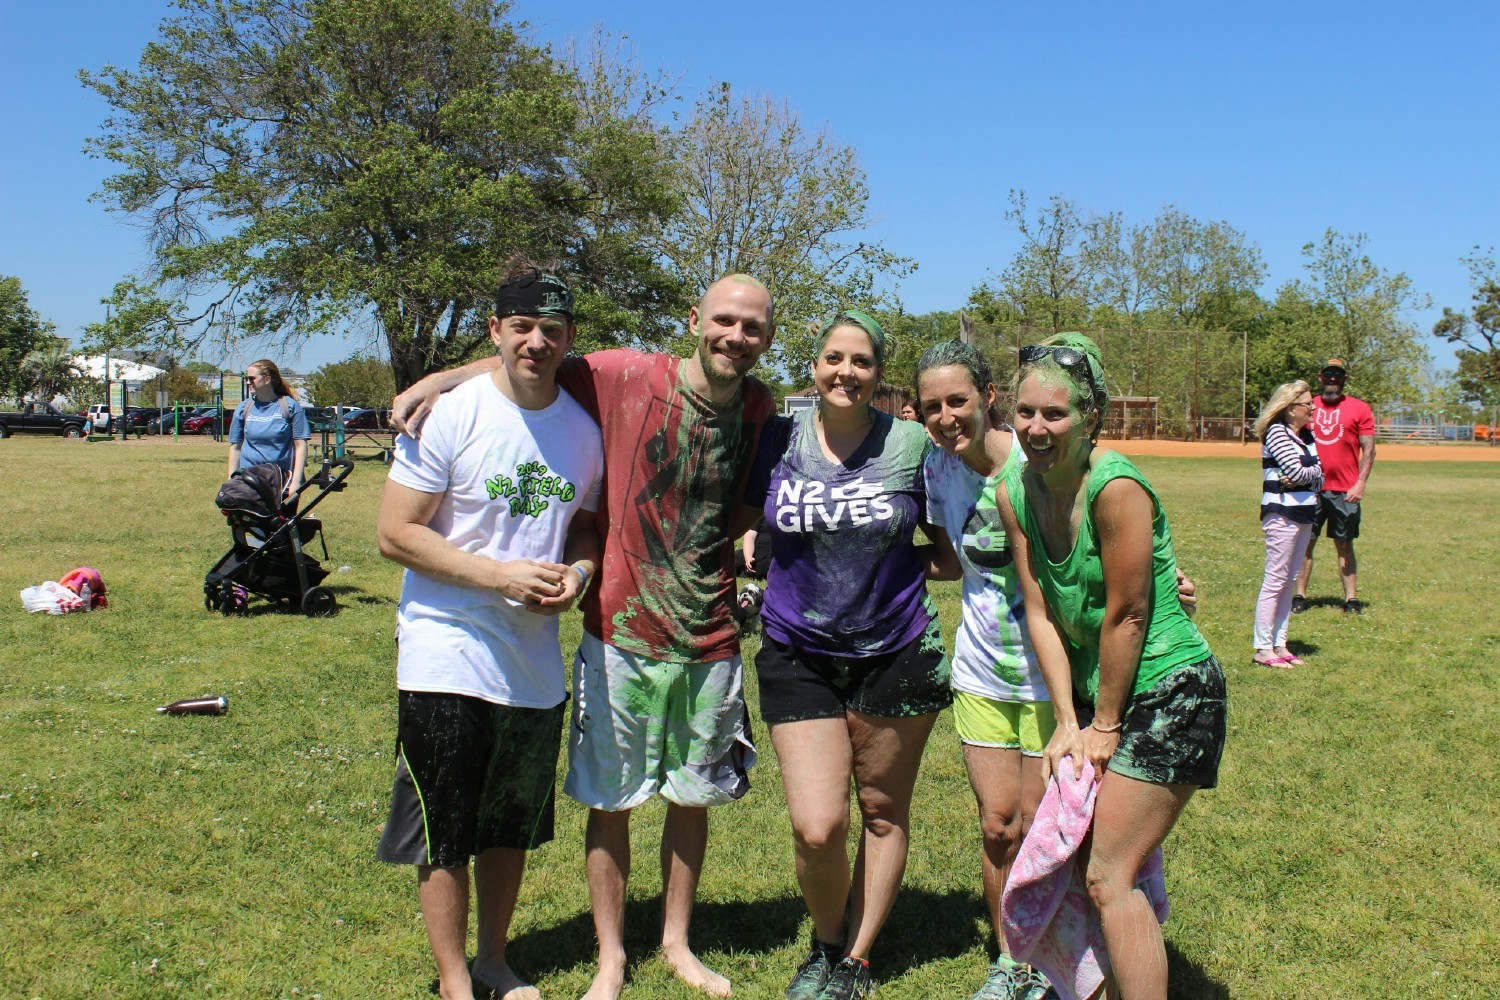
(812,975)
(1003,982)
(850,981)
(1034,986)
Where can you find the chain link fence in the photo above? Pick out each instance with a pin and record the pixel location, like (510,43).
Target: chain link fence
(1183,384)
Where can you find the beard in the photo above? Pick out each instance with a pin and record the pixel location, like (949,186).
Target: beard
(711,371)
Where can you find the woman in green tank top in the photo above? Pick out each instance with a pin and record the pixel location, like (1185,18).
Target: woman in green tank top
(1135,690)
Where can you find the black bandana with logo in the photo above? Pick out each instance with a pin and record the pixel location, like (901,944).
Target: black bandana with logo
(534,294)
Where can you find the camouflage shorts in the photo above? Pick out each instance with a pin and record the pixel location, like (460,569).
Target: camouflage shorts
(1174,730)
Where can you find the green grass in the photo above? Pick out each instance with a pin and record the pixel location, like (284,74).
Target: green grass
(1350,850)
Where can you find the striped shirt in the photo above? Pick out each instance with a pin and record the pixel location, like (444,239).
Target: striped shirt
(1295,457)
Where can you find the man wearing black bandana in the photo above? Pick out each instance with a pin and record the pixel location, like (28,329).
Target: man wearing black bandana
(658,708)
(492,514)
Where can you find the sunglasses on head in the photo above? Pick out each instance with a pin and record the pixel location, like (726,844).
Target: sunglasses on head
(1067,357)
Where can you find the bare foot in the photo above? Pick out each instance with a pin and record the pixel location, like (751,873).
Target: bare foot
(502,981)
(608,982)
(693,972)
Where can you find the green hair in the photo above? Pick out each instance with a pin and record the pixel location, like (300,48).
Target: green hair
(1088,394)
(854,317)
(956,353)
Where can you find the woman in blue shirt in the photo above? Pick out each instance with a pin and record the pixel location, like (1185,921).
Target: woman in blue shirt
(270,426)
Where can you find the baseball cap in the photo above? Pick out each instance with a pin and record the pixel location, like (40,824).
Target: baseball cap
(1334,366)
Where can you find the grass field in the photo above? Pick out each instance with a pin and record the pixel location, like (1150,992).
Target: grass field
(1351,850)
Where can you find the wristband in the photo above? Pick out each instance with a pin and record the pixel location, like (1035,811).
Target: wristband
(585,584)
(1094,725)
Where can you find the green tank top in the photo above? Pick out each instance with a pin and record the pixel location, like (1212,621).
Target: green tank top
(1074,588)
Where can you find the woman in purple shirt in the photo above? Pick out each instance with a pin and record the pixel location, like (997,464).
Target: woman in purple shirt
(852,668)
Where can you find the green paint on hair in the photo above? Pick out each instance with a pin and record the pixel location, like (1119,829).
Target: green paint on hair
(861,320)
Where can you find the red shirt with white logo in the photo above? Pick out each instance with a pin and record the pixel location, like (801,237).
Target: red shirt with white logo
(1337,428)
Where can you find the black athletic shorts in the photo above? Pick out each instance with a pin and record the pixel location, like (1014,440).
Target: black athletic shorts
(795,686)
(470,775)
(1341,516)
(1174,730)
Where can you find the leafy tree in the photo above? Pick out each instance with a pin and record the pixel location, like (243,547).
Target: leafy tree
(1367,325)
(1478,378)
(361,380)
(1200,275)
(300,163)
(1167,291)
(1478,374)
(22,330)
(912,335)
(48,371)
(1050,281)
(180,385)
(764,195)
(1290,340)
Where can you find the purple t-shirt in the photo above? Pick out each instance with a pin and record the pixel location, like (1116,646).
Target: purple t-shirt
(845,578)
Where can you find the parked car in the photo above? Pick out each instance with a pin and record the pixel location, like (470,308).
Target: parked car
(163,423)
(43,418)
(375,419)
(203,422)
(98,414)
(321,418)
(138,418)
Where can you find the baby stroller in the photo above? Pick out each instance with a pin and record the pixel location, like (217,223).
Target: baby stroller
(268,556)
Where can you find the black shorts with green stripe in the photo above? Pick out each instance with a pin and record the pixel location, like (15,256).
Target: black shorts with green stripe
(470,775)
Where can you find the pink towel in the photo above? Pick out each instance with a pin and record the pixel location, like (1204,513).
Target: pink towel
(1048,917)
(76,579)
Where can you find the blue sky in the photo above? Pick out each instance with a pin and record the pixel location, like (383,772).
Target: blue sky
(1282,119)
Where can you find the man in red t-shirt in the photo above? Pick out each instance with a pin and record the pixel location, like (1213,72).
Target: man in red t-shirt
(658,707)
(1344,428)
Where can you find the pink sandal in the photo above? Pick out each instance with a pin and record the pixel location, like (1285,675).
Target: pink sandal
(1276,662)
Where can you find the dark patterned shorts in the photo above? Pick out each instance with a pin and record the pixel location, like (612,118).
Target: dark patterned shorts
(912,681)
(1174,731)
(470,775)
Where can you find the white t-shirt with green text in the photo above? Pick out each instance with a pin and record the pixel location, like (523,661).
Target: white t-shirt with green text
(511,480)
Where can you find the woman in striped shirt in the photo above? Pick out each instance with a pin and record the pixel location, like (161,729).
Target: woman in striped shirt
(1290,480)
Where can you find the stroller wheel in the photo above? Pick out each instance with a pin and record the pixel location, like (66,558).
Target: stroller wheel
(319,602)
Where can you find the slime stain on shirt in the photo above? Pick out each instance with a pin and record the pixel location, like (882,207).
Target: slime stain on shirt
(674,462)
(845,578)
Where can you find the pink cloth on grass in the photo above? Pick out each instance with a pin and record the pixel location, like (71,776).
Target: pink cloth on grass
(75,579)
(1048,917)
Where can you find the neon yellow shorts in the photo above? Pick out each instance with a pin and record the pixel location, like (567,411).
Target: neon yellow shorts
(1011,725)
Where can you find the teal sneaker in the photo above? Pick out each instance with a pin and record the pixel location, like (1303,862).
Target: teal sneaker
(1003,981)
(850,981)
(1034,986)
(812,975)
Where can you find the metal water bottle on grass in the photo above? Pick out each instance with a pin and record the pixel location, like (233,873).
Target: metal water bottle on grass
(211,705)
